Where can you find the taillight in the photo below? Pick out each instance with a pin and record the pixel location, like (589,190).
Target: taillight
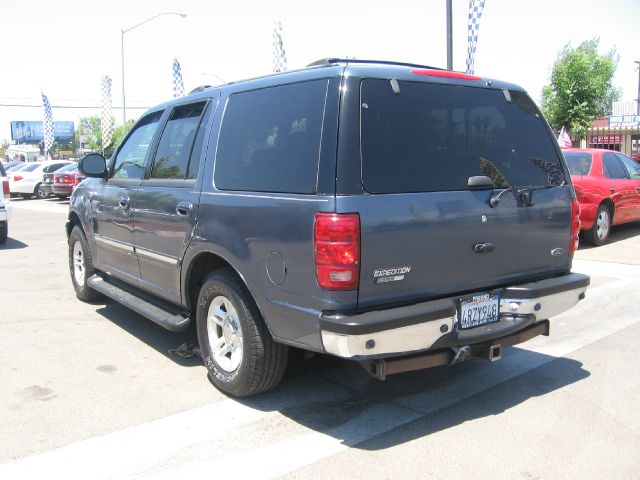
(336,242)
(575,227)
(77,179)
(5,188)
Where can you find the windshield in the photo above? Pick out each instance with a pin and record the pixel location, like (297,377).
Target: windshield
(429,137)
(579,163)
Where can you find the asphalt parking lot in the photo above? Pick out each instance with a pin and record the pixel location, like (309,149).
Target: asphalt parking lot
(93,390)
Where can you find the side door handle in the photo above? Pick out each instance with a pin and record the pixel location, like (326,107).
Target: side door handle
(184,209)
(124,202)
(612,189)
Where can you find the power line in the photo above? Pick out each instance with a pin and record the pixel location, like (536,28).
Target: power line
(63,106)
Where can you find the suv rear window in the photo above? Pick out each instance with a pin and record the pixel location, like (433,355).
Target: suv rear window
(431,137)
(579,163)
(270,139)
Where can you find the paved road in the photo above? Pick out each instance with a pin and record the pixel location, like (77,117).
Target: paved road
(91,391)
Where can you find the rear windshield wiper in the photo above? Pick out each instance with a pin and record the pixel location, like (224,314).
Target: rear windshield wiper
(525,194)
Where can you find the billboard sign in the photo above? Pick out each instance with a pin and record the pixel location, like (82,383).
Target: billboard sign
(32,132)
(624,121)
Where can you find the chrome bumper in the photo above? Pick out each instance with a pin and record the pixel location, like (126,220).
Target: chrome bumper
(419,327)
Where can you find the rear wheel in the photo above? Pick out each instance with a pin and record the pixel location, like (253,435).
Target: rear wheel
(81,266)
(4,232)
(39,192)
(598,234)
(237,348)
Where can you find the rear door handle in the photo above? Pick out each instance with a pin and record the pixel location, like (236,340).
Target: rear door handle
(124,202)
(612,190)
(184,209)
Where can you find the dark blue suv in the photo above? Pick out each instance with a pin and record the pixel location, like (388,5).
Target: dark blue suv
(397,215)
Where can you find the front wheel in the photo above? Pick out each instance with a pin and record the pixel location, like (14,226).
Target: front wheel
(237,348)
(81,266)
(598,234)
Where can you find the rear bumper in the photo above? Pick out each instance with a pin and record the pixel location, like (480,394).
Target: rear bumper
(62,189)
(433,324)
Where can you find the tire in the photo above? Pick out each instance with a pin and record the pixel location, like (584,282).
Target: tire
(4,232)
(240,355)
(598,234)
(81,266)
(39,192)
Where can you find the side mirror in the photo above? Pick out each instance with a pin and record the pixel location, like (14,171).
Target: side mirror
(93,165)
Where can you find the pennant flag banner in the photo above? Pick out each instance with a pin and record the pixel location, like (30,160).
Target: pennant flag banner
(178,84)
(106,120)
(563,139)
(475,12)
(279,56)
(47,124)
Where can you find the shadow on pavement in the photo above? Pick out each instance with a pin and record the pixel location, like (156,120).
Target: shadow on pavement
(155,336)
(339,399)
(13,244)
(617,234)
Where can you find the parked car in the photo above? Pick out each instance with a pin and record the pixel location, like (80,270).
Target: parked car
(26,182)
(5,208)
(397,215)
(65,180)
(607,186)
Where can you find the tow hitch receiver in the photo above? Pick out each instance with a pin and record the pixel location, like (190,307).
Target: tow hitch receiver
(380,368)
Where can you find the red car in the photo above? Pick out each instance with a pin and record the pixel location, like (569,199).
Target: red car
(607,185)
(65,182)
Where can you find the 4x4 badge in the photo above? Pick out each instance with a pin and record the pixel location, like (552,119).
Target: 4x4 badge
(557,252)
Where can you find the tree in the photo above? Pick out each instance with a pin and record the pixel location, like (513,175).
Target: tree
(91,133)
(580,88)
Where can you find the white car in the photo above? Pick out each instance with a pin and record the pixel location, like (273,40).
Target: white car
(5,209)
(26,181)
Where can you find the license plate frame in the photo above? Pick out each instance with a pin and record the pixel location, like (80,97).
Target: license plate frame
(478,310)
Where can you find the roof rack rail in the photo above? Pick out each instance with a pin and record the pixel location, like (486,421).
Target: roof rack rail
(199,89)
(335,60)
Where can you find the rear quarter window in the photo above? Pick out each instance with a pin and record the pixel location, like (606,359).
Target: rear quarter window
(270,139)
(433,137)
(579,163)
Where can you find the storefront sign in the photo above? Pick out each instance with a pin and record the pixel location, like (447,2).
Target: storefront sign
(624,121)
(605,139)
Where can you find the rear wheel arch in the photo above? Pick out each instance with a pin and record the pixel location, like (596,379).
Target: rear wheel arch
(200,267)
(611,206)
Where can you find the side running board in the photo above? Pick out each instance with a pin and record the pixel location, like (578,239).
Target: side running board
(156,310)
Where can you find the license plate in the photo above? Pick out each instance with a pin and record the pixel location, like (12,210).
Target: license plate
(478,310)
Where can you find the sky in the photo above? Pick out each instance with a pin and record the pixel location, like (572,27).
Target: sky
(64,47)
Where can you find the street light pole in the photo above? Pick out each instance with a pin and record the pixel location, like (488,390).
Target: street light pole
(122,32)
(449,37)
(638,99)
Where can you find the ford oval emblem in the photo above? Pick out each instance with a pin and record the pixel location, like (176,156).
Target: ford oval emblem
(557,252)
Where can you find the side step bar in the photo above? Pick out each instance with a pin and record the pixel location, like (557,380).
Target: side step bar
(156,310)
(381,368)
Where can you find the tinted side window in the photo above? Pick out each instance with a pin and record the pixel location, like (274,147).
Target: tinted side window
(129,161)
(174,149)
(612,166)
(270,139)
(579,163)
(428,137)
(633,168)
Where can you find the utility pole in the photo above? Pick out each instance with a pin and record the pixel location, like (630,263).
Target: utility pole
(450,38)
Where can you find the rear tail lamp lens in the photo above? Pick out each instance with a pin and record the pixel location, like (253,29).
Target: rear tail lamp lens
(5,188)
(337,250)
(575,227)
